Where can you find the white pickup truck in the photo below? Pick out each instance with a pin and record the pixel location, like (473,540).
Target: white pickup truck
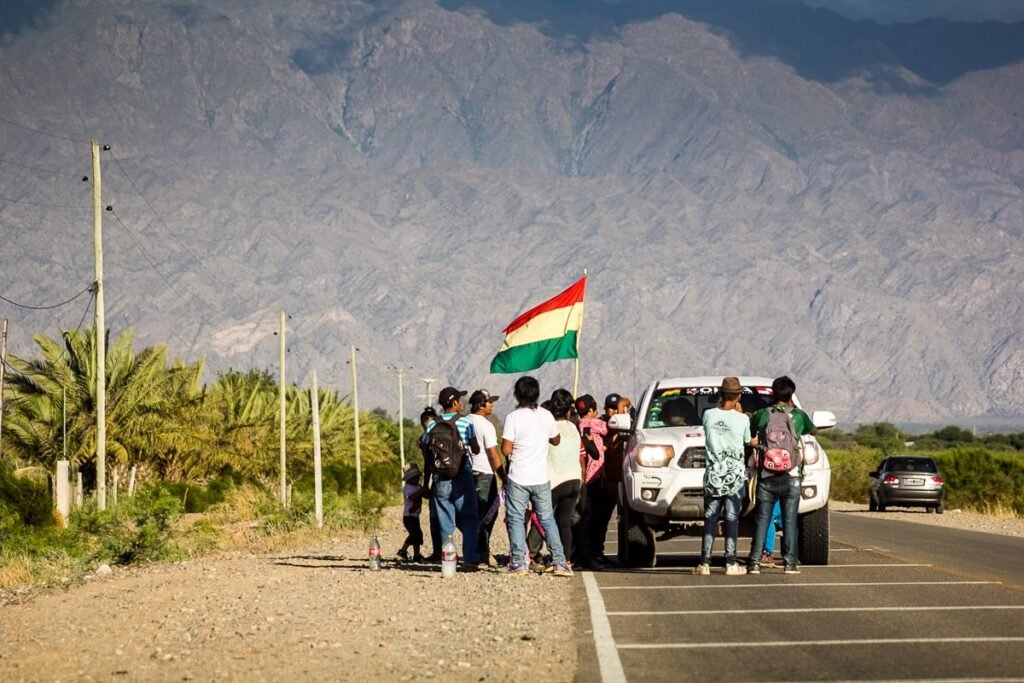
(663,469)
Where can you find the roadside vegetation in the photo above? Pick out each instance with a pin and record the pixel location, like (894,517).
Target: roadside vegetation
(982,473)
(205,457)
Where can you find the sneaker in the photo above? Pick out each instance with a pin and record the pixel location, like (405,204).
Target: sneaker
(562,570)
(538,567)
(515,569)
(735,569)
(418,558)
(702,569)
(767,560)
(753,568)
(491,561)
(791,569)
(403,555)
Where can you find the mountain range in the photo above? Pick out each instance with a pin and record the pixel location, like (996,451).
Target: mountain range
(752,188)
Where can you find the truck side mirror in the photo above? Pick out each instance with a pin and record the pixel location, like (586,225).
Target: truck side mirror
(823,419)
(620,422)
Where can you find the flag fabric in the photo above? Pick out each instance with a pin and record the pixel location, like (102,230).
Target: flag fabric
(545,333)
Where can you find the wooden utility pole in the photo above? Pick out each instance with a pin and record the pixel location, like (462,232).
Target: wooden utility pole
(318,479)
(355,409)
(101,335)
(3,365)
(284,463)
(400,373)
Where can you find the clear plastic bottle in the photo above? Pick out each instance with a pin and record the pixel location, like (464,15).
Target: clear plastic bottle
(449,558)
(374,554)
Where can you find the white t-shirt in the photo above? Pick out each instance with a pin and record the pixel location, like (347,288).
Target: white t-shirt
(529,430)
(564,459)
(486,437)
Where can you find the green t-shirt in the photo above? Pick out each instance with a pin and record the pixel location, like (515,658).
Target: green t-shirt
(801,422)
(725,434)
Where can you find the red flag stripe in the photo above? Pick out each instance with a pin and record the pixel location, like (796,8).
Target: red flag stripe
(567,298)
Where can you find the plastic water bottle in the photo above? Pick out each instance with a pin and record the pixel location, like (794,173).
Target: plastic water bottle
(449,558)
(374,554)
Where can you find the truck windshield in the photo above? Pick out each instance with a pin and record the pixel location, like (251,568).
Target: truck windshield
(685,406)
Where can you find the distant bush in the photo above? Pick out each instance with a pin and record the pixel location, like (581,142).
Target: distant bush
(976,478)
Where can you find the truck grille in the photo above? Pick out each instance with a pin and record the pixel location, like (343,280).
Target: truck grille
(693,457)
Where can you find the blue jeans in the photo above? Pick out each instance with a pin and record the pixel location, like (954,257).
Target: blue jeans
(457,507)
(784,490)
(715,506)
(773,526)
(516,498)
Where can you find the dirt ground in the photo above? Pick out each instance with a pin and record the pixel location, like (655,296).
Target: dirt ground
(320,614)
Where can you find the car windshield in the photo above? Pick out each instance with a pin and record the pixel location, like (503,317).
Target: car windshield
(912,465)
(685,406)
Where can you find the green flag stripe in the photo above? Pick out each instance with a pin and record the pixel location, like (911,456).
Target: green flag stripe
(535,354)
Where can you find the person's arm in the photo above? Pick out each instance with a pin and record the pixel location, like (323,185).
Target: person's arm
(506,447)
(556,436)
(496,464)
(590,447)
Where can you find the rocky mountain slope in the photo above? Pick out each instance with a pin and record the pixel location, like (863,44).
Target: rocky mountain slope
(752,188)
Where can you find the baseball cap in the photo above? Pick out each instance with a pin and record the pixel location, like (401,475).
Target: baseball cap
(611,401)
(449,394)
(481,397)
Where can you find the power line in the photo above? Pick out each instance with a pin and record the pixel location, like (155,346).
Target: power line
(145,254)
(52,306)
(159,218)
(48,206)
(40,169)
(43,132)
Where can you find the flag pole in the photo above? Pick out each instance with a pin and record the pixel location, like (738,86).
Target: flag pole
(576,368)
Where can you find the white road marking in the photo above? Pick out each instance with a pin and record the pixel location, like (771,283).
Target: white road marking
(917,680)
(803,585)
(822,643)
(607,654)
(800,610)
(840,566)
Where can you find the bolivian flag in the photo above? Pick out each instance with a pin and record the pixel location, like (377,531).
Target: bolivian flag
(544,333)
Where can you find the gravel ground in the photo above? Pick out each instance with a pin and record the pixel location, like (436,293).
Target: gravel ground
(319,614)
(954,519)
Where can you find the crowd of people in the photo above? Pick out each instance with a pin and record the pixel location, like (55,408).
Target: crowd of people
(555,471)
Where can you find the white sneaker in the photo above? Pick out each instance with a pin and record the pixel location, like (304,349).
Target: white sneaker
(702,570)
(735,569)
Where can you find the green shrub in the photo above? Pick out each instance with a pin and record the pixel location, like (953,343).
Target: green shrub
(23,502)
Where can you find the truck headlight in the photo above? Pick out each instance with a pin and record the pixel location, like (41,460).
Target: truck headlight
(812,451)
(654,456)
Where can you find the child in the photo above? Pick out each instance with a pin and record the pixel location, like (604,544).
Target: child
(413,493)
(726,432)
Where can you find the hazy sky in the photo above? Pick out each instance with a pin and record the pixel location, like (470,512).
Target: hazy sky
(914,10)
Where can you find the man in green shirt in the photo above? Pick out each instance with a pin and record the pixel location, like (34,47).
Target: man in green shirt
(783,487)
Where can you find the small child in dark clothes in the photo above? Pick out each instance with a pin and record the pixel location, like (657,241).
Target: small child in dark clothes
(413,495)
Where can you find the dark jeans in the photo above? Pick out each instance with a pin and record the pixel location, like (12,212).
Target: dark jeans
(415,537)
(457,508)
(563,504)
(728,507)
(435,530)
(486,492)
(602,498)
(786,490)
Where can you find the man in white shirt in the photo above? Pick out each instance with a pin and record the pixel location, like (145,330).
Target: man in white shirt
(485,464)
(524,441)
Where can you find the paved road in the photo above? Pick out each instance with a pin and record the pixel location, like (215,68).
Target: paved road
(899,601)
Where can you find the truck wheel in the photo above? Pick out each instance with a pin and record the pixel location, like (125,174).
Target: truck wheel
(636,540)
(939,509)
(813,530)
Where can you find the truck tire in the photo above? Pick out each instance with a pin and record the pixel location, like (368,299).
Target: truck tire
(813,536)
(636,540)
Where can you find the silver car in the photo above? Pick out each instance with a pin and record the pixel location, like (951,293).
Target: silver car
(908,481)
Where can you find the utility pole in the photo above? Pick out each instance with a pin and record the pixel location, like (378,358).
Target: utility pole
(400,373)
(101,333)
(428,398)
(318,477)
(284,463)
(3,364)
(355,409)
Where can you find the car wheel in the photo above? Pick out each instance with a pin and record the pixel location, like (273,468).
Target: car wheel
(939,509)
(636,540)
(812,531)
(872,505)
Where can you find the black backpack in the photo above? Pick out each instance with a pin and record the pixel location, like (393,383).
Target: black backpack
(445,447)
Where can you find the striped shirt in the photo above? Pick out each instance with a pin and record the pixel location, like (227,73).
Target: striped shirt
(466,432)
